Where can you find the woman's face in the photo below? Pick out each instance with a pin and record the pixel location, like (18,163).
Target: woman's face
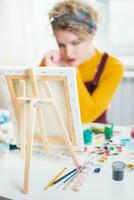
(73,51)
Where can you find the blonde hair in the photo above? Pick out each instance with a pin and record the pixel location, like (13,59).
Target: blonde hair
(75,16)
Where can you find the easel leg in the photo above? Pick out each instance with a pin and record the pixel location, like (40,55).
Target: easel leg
(43,130)
(22,127)
(31,127)
(66,136)
(22,115)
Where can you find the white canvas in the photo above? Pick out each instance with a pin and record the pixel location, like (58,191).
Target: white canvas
(58,91)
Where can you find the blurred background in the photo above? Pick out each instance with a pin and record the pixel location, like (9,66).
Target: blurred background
(25,35)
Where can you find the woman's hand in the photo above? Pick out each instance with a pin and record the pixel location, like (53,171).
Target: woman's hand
(52,58)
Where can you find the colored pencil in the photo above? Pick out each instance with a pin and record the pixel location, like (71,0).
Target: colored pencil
(58,180)
(55,178)
(74,177)
(67,179)
(71,179)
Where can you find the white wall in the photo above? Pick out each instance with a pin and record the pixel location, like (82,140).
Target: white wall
(122,106)
(25,32)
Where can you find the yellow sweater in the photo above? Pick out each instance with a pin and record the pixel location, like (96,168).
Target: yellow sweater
(92,106)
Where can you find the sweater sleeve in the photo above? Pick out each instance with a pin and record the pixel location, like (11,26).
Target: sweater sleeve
(92,106)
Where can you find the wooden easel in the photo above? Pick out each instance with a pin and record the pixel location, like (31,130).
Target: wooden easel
(34,104)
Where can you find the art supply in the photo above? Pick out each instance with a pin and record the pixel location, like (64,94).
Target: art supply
(108,131)
(60,179)
(4,150)
(97,130)
(71,180)
(67,179)
(118,170)
(119,149)
(13,147)
(75,176)
(124,141)
(97,170)
(5,136)
(4,117)
(87,134)
(80,180)
(55,178)
(86,149)
(130,166)
(132,131)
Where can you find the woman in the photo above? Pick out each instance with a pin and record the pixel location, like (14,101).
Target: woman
(74,25)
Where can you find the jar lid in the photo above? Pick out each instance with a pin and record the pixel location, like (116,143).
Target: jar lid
(118,165)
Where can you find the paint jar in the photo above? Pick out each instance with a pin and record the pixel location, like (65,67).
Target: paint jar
(118,170)
(108,131)
(88,135)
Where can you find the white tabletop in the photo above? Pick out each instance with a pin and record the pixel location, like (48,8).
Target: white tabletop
(44,168)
